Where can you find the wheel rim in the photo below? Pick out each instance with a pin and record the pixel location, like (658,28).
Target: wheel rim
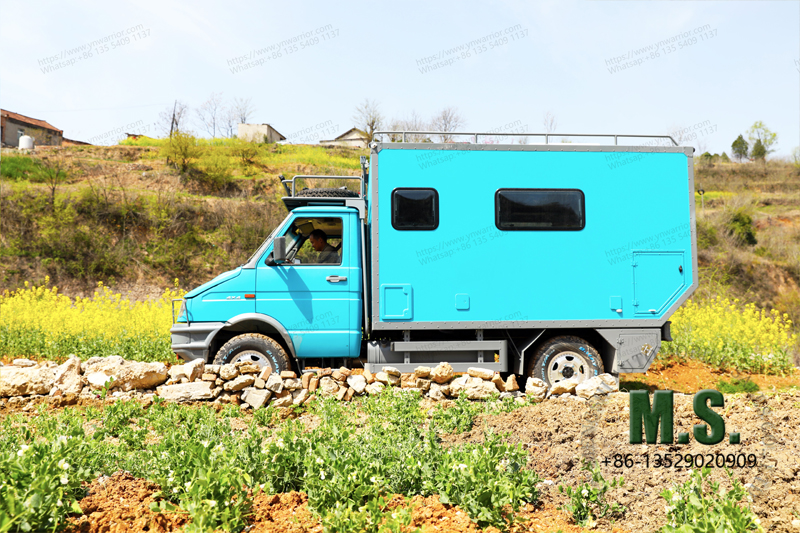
(568,365)
(251,356)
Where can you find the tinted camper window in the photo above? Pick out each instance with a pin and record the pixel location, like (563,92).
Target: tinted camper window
(415,209)
(539,209)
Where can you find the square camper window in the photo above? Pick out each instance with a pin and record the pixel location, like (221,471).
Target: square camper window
(415,209)
(539,209)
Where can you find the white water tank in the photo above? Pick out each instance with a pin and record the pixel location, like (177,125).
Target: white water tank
(26,142)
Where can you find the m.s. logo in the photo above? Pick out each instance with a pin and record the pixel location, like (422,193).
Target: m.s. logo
(649,419)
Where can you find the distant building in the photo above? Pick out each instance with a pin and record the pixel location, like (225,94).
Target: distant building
(13,126)
(259,133)
(354,137)
(73,142)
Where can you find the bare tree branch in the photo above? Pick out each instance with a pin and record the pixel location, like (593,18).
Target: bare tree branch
(368,117)
(165,124)
(210,115)
(448,120)
(413,122)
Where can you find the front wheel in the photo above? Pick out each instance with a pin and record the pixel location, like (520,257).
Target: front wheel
(253,348)
(565,357)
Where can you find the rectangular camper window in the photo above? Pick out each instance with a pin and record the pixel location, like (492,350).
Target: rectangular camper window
(415,209)
(539,209)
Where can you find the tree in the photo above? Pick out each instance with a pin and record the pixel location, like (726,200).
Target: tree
(759,150)
(549,122)
(414,122)
(368,117)
(739,148)
(210,115)
(448,120)
(724,158)
(182,148)
(238,112)
(180,111)
(758,131)
(796,157)
(53,172)
(242,110)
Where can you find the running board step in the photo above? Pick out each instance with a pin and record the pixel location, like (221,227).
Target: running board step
(461,355)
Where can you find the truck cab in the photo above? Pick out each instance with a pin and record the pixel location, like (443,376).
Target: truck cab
(540,259)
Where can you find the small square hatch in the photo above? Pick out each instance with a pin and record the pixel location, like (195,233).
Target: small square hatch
(396,302)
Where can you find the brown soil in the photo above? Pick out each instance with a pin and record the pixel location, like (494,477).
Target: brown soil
(559,433)
(691,376)
(121,504)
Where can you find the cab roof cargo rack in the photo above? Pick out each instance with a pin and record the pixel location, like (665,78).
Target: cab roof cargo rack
(322,196)
(400,136)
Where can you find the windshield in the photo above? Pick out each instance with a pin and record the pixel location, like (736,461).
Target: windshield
(264,244)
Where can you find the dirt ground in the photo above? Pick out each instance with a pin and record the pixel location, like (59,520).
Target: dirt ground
(691,376)
(557,435)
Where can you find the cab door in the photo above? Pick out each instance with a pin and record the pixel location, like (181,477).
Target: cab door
(315,293)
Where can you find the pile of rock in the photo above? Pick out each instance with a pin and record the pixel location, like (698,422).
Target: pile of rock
(247,384)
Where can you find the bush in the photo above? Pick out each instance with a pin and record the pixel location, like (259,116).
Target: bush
(737,385)
(588,500)
(215,168)
(740,226)
(181,149)
(691,508)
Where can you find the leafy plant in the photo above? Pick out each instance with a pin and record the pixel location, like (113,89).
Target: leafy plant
(39,482)
(588,500)
(181,149)
(693,508)
(737,385)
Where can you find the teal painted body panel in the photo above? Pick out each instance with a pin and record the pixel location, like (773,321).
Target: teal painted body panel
(569,276)
(322,318)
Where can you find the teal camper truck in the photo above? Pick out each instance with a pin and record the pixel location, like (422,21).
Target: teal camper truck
(549,260)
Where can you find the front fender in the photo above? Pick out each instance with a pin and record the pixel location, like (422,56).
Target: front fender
(245,320)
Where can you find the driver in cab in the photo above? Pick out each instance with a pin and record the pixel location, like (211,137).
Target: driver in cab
(327,253)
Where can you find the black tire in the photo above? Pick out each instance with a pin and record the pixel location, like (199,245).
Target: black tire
(254,348)
(328,193)
(565,357)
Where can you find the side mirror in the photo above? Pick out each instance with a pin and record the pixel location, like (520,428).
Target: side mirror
(279,250)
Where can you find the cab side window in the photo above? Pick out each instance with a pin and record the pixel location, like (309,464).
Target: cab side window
(315,241)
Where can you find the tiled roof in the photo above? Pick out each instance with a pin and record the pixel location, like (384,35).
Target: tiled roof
(28,120)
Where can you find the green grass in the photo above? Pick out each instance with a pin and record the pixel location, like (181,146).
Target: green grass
(20,167)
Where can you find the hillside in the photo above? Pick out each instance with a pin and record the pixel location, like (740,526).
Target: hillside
(125,217)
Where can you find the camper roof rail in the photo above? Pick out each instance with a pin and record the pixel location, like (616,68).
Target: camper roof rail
(475,135)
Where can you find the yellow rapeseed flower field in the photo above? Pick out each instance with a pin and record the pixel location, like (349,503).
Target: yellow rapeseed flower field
(726,334)
(41,322)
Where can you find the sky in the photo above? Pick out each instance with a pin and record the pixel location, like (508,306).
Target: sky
(709,69)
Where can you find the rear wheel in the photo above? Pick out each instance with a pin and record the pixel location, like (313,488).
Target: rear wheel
(254,348)
(565,357)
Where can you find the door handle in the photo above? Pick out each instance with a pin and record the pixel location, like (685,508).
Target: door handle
(336,279)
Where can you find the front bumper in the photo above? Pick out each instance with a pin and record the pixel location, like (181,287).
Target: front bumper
(192,341)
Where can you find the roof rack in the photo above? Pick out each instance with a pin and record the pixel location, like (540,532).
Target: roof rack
(293,199)
(475,135)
